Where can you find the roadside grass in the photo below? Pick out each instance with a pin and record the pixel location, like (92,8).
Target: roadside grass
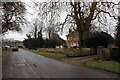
(112,66)
(47,54)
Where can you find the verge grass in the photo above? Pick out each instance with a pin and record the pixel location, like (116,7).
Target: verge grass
(47,54)
(112,66)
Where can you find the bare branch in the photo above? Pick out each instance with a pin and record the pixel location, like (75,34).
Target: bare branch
(108,14)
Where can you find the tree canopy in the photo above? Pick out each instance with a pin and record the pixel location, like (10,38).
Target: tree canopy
(34,43)
(12,16)
(99,39)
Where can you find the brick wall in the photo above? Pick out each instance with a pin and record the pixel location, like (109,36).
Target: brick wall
(72,40)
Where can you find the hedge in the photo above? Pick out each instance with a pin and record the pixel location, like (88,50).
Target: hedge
(70,51)
(115,54)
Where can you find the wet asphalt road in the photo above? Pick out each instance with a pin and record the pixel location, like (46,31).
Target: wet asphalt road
(24,64)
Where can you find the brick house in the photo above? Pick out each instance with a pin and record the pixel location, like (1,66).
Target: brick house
(112,45)
(72,39)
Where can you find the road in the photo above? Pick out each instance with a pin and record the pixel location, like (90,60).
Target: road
(25,64)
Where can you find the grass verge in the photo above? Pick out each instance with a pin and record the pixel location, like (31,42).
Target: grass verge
(112,66)
(47,54)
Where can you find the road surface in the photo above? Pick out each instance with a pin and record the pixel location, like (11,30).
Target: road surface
(25,64)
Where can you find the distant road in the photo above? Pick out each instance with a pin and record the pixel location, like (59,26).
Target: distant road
(24,64)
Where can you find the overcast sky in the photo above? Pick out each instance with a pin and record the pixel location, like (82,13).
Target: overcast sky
(30,16)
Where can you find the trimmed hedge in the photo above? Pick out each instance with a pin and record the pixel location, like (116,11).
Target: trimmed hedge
(70,52)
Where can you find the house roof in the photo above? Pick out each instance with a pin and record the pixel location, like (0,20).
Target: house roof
(71,33)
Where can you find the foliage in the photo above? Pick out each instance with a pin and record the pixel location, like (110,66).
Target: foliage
(118,33)
(115,54)
(112,66)
(99,39)
(12,16)
(34,43)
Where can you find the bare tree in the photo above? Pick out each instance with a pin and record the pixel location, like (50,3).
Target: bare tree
(12,16)
(28,36)
(83,14)
(37,29)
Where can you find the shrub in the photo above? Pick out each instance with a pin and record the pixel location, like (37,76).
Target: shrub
(99,39)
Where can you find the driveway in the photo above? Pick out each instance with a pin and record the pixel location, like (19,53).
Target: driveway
(25,64)
(78,61)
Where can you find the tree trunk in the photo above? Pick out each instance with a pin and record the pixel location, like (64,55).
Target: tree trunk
(80,34)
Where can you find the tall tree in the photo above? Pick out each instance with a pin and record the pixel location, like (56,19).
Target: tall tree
(12,16)
(118,33)
(83,14)
(37,29)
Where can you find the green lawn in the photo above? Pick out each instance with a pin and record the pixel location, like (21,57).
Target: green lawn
(112,66)
(47,54)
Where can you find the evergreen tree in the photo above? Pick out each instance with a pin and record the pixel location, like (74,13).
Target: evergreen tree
(99,39)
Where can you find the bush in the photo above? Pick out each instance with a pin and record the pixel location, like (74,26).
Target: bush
(99,39)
